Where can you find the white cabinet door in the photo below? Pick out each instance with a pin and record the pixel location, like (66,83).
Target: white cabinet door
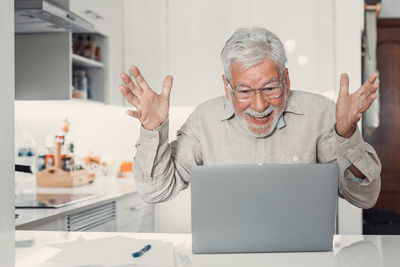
(43,66)
(146,36)
(59,224)
(198,31)
(94,11)
(133,215)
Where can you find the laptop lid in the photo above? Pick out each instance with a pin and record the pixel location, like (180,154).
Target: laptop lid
(263,208)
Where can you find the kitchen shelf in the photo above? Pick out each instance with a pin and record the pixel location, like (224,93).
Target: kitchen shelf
(86,62)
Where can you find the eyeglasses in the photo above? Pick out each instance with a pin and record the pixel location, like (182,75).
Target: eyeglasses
(246,94)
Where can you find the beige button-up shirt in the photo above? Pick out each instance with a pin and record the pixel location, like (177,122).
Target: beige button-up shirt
(214,135)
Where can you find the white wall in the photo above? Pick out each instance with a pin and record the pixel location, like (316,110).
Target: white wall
(7,133)
(349,21)
(322,39)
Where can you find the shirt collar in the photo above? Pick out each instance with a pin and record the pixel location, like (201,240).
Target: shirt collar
(291,106)
(228,111)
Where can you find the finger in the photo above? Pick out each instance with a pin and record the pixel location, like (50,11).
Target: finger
(167,85)
(372,78)
(344,85)
(368,102)
(371,89)
(366,87)
(131,98)
(133,113)
(130,84)
(139,78)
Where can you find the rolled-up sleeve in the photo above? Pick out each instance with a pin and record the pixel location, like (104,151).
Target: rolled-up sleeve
(354,151)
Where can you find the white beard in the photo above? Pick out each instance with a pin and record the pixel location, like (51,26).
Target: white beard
(245,125)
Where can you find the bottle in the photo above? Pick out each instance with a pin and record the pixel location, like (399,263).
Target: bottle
(25,182)
(67,151)
(90,47)
(80,84)
(26,152)
(49,157)
(41,160)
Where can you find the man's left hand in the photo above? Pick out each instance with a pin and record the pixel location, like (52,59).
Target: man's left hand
(349,107)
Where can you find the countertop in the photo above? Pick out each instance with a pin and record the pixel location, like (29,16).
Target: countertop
(348,250)
(110,188)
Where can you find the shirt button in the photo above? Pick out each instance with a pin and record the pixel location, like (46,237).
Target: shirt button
(349,150)
(295,158)
(260,163)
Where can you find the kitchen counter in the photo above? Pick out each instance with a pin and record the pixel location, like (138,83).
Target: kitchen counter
(348,250)
(110,189)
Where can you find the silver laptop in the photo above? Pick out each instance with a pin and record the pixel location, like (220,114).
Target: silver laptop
(263,208)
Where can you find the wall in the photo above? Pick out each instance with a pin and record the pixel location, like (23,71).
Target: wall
(95,127)
(7,133)
(349,21)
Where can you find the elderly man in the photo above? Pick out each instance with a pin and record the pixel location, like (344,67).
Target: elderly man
(259,120)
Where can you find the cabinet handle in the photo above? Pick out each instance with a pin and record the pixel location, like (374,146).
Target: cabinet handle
(93,15)
(136,208)
(69,16)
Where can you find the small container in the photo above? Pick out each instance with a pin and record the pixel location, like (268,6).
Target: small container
(41,162)
(80,83)
(49,160)
(97,54)
(67,163)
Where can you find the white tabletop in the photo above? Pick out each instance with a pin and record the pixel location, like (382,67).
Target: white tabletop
(349,250)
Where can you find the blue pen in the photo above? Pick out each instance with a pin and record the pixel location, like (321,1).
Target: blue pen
(141,252)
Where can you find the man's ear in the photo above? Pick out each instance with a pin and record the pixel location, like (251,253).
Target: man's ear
(287,79)
(227,91)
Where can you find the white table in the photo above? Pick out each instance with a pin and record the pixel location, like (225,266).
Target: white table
(349,250)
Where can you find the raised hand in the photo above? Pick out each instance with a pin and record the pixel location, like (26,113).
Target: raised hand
(151,108)
(349,107)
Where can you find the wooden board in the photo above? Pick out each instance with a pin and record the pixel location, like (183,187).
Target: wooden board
(54,177)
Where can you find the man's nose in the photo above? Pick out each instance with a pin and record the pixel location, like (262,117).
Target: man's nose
(258,103)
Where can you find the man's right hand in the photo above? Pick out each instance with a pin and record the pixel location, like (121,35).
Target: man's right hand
(151,108)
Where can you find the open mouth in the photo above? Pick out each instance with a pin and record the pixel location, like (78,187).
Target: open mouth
(260,119)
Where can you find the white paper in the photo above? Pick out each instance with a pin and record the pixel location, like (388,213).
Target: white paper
(113,251)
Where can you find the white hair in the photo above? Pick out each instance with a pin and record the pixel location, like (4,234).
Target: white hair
(252,46)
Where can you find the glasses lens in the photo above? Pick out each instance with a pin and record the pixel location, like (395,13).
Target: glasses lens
(245,94)
(271,92)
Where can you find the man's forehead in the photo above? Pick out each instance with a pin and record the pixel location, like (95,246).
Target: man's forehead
(264,73)
(264,66)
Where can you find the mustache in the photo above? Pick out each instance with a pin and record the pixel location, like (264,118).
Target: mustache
(254,113)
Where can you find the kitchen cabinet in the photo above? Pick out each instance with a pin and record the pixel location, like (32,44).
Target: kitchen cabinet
(58,224)
(108,19)
(133,215)
(127,213)
(45,63)
(94,11)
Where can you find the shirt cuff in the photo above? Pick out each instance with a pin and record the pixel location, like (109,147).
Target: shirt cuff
(159,134)
(351,148)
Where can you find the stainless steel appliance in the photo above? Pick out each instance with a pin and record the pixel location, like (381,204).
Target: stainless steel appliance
(41,16)
(41,200)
